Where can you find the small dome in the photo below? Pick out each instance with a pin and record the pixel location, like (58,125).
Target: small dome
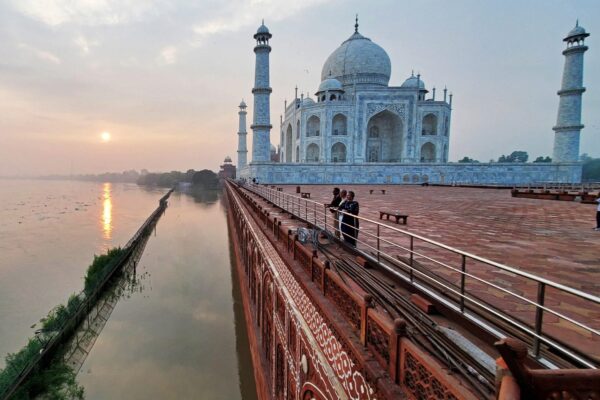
(330,84)
(411,82)
(262,29)
(307,101)
(273,149)
(227,160)
(577,31)
(243,104)
(358,60)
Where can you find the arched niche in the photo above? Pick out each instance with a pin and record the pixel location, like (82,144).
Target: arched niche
(312,152)
(428,152)
(384,138)
(339,125)
(338,153)
(313,126)
(288,143)
(429,125)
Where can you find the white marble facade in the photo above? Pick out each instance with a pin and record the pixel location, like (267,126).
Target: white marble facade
(356,117)
(359,129)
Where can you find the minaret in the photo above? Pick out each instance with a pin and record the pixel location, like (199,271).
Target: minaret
(242,150)
(261,127)
(568,122)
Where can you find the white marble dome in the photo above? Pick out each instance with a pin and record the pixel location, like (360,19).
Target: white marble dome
(412,82)
(358,60)
(330,84)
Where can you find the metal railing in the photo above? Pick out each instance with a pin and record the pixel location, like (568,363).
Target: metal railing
(457,282)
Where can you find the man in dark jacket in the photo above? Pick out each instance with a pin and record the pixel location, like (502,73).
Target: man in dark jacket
(350,223)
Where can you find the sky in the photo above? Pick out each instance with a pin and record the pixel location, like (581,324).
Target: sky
(165,77)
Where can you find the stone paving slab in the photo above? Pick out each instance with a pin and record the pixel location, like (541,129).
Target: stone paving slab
(551,239)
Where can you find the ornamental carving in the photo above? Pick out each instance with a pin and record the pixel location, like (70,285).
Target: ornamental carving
(375,108)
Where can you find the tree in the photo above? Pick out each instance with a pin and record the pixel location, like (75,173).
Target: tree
(466,159)
(542,159)
(517,156)
(205,178)
(591,170)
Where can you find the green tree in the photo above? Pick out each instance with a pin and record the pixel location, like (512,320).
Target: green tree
(591,170)
(517,156)
(542,159)
(205,178)
(466,159)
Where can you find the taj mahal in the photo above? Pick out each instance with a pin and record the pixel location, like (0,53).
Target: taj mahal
(361,129)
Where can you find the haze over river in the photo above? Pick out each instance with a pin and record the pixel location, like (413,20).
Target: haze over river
(179,335)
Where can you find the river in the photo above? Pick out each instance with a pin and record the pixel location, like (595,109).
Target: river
(180,334)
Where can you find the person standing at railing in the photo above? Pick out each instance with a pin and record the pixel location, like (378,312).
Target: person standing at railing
(339,215)
(349,222)
(335,203)
(597,228)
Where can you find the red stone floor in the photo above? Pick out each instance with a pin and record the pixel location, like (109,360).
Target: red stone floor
(550,239)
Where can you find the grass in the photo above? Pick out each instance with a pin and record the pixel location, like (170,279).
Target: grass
(56,380)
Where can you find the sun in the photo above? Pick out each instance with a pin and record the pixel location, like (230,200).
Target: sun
(105,136)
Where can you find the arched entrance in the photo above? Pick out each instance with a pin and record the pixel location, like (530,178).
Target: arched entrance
(384,138)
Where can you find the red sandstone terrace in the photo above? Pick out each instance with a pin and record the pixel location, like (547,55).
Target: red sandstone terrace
(551,239)
(306,301)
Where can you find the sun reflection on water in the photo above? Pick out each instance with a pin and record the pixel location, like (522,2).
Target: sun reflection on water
(107,211)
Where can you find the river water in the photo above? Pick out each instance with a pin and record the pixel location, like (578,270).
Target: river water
(180,334)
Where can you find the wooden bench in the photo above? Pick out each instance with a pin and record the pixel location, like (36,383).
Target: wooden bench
(394,214)
(305,195)
(372,190)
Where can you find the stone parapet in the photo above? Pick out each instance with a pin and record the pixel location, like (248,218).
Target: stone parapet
(508,174)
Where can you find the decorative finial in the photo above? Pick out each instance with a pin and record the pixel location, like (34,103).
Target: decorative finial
(412,73)
(356,25)
(577,23)
(263,21)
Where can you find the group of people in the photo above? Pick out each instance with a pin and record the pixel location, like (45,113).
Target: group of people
(345,209)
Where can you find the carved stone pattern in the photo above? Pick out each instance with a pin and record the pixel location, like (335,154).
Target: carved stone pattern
(292,339)
(379,340)
(344,302)
(421,383)
(280,308)
(374,108)
(342,362)
(291,386)
(279,372)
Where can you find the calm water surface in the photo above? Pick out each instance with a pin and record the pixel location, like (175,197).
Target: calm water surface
(180,335)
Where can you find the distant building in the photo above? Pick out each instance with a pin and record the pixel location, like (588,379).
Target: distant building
(227,170)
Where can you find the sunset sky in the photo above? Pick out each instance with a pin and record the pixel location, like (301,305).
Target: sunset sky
(164,78)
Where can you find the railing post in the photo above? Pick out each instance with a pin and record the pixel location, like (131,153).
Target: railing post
(378,249)
(325,218)
(539,315)
(462,283)
(412,239)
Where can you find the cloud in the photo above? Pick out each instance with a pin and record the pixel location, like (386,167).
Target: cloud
(41,54)
(84,44)
(169,55)
(88,12)
(243,13)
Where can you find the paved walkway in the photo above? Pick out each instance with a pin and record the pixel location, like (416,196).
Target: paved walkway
(552,239)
